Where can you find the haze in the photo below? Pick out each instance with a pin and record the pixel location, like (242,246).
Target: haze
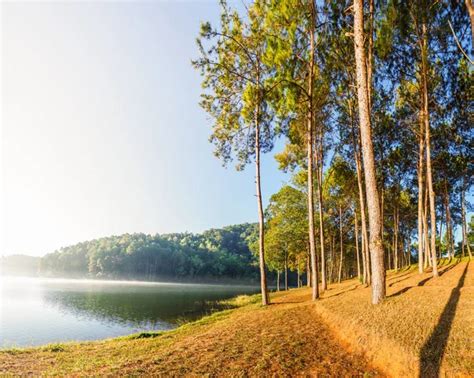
(101,129)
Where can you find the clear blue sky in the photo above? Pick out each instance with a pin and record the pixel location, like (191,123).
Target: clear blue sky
(102,132)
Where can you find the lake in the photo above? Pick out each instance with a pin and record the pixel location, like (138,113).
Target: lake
(35,311)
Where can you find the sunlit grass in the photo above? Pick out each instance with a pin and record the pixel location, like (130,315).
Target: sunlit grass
(341,334)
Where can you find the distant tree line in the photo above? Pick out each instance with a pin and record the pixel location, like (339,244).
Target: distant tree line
(214,254)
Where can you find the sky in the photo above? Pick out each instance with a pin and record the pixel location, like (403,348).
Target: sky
(101,131)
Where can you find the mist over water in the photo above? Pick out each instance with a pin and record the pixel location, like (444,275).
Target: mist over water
(35,311)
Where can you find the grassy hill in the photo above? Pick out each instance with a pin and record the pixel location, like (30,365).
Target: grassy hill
(425,327)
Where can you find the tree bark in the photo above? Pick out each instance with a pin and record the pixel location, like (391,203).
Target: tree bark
(298,274)
(278,280)
(333,258)
(420,199)
(395,242)
(429,178)
(365,238)
(310,137)
(341,247)
(321,219)
(261,224)
(308,269)
(463,218)
(370,46)
(286,271)
(470,10)
(356,231)
(375,221)
(426,239)
(449,230)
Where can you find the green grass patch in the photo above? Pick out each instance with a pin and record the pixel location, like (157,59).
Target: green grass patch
(55,348)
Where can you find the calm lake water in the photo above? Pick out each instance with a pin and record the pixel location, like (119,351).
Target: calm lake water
(36,311)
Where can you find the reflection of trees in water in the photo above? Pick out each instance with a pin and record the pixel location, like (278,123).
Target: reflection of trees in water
(154,309)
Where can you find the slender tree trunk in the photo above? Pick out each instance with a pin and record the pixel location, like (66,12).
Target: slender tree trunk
(375,220)
(321,218)
(449,231)
(261,224)
(365,238)
(278,280)
(286,271)
(426,239)
(382,207)
(420,199)
(309,137)
(389,263)
(341,246)
(463,218)
(298,274)
(441,233)
(395,244)
(356,231)
(370,46)
(470,9)
(429,178)
(308,269)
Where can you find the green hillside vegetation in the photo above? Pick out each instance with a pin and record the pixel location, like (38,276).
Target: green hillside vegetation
(214,254)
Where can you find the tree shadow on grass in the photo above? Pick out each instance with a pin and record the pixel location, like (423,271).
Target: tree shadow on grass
(421,283)
(433,350)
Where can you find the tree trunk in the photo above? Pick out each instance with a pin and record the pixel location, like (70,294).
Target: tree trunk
(331,255)
(309,137)
(278,280)
(426,239)
(395,243)
(449,231)
(370,46)
(298,274)
(321,219)
(308,269)
(464,226)
(470,9)
(420,199)
(356,231)
(375,221)
(365,239)
(261,229)
(389,254)
(429,178)
(341,251)
(286,270)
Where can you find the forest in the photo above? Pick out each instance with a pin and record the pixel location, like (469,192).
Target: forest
(214,254)
(374,103)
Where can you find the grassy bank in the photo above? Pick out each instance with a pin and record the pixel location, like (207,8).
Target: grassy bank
(426,325)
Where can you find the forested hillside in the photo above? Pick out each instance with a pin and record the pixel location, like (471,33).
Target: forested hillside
(214,254)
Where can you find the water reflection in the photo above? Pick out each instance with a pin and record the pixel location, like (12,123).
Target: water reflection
(36,311)
(164,304)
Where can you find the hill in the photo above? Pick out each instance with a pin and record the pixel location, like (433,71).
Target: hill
(21,265)
(215,254)
(424,327)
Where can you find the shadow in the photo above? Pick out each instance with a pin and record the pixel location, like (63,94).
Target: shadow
(398,275)
(403,279)
(432,351)
(343,292)
(421,283)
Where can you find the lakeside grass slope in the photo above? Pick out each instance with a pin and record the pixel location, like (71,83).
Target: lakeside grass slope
(425,327)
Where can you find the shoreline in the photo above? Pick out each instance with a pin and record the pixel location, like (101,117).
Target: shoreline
(341,334)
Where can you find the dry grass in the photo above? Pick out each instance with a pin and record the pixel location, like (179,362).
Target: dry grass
(424,328)
(340,335)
